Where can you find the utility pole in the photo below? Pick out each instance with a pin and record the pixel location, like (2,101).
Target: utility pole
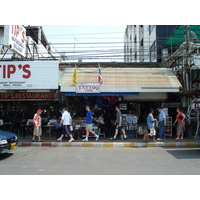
(187,52)
(187,62)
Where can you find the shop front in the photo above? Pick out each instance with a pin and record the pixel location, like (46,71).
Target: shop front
(26,86)
(134,90)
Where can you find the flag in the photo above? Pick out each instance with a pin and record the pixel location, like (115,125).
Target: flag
(100,78)
(75,78)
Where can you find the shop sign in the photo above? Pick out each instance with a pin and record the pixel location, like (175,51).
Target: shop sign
(24,96)
(87,88)
(196,85)
(15,39)
(26,75)
(196,78)
(171,105)
(123,106)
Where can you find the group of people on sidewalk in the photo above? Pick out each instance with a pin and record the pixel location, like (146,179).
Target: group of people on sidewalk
(180,121)
(66,123)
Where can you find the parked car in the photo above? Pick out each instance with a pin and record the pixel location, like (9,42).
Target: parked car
(8,141)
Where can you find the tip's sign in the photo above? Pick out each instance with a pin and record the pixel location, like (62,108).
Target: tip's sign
(15,38)
(26,75)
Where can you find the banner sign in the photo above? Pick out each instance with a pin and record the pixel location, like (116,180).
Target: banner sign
(87,88)
(196,77)
(32,96)
(27,75)
(196,85)
(15,39)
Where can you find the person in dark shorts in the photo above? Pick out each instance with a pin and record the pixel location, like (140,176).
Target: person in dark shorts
(118,124)
(66,121)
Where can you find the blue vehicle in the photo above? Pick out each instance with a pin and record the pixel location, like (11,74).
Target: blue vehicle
(8,141)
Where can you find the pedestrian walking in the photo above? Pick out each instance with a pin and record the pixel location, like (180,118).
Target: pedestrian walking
(66,122)
(37,123)
(151,125)
(180,120)
(118,124)
(89,121)
(162,124)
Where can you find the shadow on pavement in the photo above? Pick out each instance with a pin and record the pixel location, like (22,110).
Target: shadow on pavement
(5,156)
(185,153)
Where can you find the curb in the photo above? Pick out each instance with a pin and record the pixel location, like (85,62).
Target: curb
(108,144)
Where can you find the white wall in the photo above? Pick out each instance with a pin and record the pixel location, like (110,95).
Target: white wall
(133,36)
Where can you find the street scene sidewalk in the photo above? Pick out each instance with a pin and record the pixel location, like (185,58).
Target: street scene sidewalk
(106,142)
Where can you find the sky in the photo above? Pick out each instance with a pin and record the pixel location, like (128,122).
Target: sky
(75,17)
(87,42)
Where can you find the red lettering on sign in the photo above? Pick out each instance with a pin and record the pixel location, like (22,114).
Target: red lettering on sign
(4,71)
(25,69)
(23,36)
(17,30)
(11,70)
(28,96)
(8,70)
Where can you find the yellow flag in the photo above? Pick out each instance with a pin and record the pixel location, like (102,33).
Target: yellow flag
(75,78)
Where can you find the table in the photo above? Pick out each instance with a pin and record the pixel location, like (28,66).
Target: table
(50,129)
(28,128)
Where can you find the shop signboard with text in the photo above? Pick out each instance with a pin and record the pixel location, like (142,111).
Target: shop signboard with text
(196,79)
(15,39)
(29,75)
(88,88)
(28,96)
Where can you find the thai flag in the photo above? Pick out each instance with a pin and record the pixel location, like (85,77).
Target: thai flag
(100,78)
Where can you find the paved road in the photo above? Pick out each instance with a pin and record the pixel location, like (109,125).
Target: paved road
(100,161)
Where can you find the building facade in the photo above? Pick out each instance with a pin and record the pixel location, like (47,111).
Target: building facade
(29,70)
(143,43)
(29,39)
(37,79)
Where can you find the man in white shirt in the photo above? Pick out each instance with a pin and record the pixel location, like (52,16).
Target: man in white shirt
(66,121)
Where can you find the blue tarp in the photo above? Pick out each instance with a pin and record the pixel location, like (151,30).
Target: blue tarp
(102,94)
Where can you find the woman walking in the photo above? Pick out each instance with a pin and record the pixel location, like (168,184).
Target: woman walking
(180,120)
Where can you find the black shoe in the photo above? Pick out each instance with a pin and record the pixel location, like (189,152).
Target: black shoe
(40,141)
(33,140)
(124,138)
(112,138)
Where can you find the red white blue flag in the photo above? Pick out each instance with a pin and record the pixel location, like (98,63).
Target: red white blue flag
(100,78)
